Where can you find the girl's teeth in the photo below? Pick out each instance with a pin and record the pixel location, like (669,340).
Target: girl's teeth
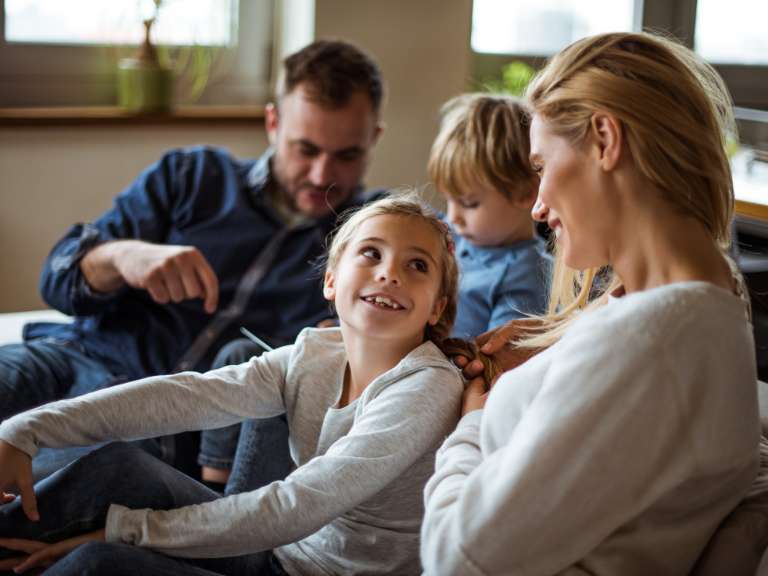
(383,302)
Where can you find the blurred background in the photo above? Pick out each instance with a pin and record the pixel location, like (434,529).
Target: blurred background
(71,137)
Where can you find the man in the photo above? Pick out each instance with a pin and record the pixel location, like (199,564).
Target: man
(202,244)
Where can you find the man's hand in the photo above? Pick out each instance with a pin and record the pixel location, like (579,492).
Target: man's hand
(167,272)
(16,474)
(42,554)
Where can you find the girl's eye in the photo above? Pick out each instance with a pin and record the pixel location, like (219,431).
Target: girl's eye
(469,204)
(369,252)
(537,168)
(419,265)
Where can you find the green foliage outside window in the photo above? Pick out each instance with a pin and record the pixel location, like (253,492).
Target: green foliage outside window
(515,77)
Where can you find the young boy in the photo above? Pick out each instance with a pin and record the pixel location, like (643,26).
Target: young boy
(479,163)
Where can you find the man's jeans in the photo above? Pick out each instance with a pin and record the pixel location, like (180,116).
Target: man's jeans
(262,445)
(75,501)
(40,371)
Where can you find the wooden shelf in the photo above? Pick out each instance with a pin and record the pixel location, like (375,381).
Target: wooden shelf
(752,210)
(114,116)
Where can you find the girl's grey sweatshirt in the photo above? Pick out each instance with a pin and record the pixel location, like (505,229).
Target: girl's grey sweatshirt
(354,503)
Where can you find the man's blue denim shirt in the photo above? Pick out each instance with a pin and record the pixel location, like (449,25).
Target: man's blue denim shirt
(198,197)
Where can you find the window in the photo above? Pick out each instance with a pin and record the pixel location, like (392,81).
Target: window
(55,53)
(732,32)
(542,27)
(202,22)
(731,35)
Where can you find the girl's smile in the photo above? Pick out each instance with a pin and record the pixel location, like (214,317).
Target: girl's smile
(383,301)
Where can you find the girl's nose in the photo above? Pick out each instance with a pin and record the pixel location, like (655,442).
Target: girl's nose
(388,274)
(539,211)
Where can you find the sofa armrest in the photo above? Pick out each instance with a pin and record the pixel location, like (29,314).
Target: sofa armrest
(11,324)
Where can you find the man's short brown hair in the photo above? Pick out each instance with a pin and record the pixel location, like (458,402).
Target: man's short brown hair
(483,140)
(332,71)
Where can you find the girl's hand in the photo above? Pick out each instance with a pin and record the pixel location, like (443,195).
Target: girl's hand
(16,473)
(475,395)
(42,554)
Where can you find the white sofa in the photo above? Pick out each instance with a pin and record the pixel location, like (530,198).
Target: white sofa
(12,323)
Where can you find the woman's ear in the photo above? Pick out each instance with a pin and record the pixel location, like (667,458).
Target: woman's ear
(329,286)
(437,310)
(608,137)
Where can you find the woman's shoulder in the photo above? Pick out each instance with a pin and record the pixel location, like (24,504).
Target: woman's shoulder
(688,346)
(663,327)
(672,308)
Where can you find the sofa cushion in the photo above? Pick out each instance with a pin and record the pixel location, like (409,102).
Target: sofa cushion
(738,545)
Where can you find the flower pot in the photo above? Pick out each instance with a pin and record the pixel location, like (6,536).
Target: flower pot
(143,86)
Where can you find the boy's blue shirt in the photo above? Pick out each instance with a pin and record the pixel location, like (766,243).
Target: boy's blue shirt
(498,284)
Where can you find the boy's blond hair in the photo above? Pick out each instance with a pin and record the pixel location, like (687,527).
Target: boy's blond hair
(483,140)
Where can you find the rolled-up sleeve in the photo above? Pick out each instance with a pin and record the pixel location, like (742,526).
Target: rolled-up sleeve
(143,211)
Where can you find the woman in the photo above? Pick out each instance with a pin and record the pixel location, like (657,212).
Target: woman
(621,447)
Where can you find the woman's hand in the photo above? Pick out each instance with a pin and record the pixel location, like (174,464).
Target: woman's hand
(42,554)
(475,395)
(496,343)
(16,474)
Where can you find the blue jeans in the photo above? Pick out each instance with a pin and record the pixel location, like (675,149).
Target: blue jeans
(257,455)
(75,500)
(39,371)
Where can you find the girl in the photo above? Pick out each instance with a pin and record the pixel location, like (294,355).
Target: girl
(367,405)
(620,447)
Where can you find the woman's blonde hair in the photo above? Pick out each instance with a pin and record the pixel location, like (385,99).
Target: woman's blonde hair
(675,113)
(483,139)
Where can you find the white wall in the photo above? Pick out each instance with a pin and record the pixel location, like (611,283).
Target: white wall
(423,49)
(52,177)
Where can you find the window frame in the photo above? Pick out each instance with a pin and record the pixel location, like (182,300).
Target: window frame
(52,75)
(748,84)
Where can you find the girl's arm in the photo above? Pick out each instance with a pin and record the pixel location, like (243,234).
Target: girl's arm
(392,431)
(156,406)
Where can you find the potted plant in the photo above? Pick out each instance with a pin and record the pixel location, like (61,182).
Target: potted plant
(151,79)
(143,83)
